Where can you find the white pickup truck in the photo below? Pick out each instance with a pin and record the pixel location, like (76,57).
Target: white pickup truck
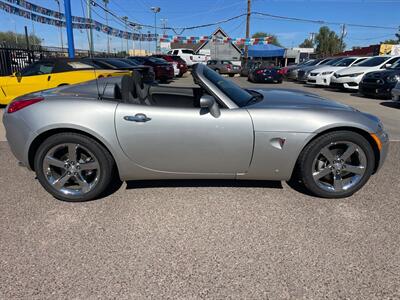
(189,56)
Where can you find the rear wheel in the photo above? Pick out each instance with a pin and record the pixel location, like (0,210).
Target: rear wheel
(73,167)
(231,75)
(336,164)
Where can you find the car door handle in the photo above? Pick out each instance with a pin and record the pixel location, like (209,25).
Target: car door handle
(137,118)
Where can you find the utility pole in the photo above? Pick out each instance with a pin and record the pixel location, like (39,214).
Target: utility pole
(342,35)
(164,23)
(246,47)
(89,16)
(312,37)
(108,36)
(61,28)
(126,30)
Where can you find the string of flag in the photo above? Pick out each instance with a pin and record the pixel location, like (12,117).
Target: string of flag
(202,39)
(47,16)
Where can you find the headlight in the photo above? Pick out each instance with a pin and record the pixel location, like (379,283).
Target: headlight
(393,78)
(354,74)
(327,73)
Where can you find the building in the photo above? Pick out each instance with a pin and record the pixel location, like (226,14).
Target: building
(215,47)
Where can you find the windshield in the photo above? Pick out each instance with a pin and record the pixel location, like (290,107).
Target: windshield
(118,63)
(230,89)
(373,61)
(395,66)
(333,61)
(345,62)
(313,63)
(157,60)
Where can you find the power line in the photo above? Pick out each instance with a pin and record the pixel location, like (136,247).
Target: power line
(322,21)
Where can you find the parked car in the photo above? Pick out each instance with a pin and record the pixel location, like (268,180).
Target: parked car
(223,67)
(178,63)
(292,73)
(322,76)
(266,74)
(121,64)
(163,70)
(396,92)
(189,56)
(380,83)
(50,73)
(303,72)
(215,130)
(246,68)
(349,78)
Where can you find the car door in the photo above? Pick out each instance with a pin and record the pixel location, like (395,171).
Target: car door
(186,140)
(34,78)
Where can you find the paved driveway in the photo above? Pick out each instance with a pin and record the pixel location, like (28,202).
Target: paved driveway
(200,240)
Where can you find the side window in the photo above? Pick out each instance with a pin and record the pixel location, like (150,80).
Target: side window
(38,69)
(176,52)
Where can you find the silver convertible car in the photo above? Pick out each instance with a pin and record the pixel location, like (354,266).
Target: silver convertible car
(79,139)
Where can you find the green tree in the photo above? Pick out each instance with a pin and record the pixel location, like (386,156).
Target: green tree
(274,39)
(10,39)
(328,42)
(393,41)
(307,43)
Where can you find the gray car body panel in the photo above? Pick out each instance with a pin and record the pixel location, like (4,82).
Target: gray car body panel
(189,143)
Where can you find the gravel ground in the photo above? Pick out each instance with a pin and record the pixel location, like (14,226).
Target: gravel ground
(203,239)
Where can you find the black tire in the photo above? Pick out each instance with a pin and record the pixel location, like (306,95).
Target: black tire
(304,169)
(231,75)
(104,158)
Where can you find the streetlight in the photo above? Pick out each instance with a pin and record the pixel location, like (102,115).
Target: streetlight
(155,10)
(126,32)
(61,29)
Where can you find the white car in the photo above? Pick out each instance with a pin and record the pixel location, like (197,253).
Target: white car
(189,56)
(322,76)
(396,92)
(349,78)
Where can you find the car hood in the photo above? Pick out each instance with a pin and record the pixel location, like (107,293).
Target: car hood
(384,73)
(310,68)
(353,70)
(282,98)
(329,69)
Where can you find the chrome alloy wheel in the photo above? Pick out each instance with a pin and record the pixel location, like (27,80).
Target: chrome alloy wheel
(339,166)
(71,169)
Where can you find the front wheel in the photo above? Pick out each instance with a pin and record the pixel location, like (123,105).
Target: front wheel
(336,164)
(73,167)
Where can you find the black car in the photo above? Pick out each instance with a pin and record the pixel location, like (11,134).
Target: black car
(380,83)
(122,64)
(252,65)
(164,71)
(266,74)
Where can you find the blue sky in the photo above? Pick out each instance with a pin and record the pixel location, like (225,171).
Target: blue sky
(180,13)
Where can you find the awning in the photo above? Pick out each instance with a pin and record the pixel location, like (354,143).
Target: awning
(266,50)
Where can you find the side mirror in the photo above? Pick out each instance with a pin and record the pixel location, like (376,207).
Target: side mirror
(208,102)
(18,75)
